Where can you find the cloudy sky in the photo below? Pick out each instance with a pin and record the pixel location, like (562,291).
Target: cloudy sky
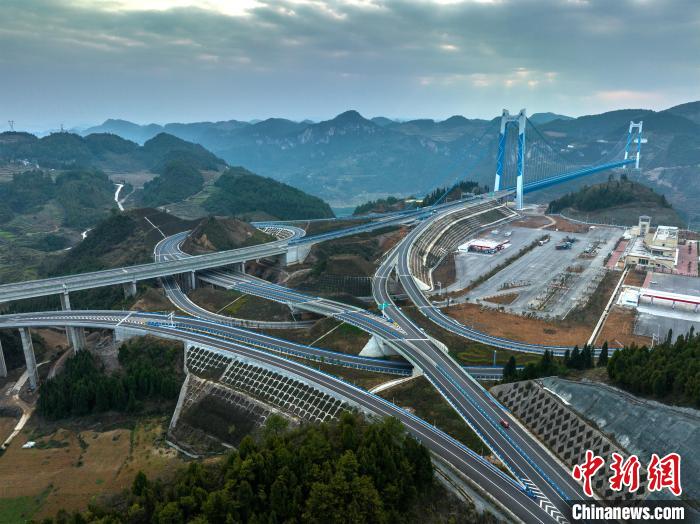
(78,62)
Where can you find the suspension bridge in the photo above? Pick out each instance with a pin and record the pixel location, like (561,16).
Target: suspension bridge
(526,160)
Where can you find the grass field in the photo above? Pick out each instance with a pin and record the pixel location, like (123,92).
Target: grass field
(327,333)
(74,466)
(420,396)
(465,351)
(237,305)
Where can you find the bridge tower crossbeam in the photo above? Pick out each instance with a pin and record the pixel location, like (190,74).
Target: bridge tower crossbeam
(635,129)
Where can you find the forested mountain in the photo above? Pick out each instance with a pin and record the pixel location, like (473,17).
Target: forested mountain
(121,239)
(619,201)
(238,192)
(177,181)
(350,159)
(83,196)
(103,151)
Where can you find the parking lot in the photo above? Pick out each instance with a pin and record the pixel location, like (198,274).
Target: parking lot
(547,281)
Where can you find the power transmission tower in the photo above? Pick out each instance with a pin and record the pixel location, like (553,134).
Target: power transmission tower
(12,125)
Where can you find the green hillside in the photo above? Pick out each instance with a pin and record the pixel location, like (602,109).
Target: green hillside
(439,195)
(178,180)
(238,192)
(616,201)
(104,151)
(220,234)
(83,196)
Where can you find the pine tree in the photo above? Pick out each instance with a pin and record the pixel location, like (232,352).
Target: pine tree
(575,361)
(603,356)
(510,370)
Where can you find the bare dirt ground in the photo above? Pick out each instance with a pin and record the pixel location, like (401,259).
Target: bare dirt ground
(388,240)
(55,339)
(515,327)
(153,299)
(619,329)
(635,278)
(446,272)
(561,224)
(534,222)
(502,299)
(72,466)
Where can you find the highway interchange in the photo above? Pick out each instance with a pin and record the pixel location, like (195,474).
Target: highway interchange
(544,488)
(503,488)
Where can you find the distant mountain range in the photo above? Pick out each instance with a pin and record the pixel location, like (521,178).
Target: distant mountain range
(350,159)
(106,151)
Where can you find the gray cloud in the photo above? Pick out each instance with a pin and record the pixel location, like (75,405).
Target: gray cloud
(77,65)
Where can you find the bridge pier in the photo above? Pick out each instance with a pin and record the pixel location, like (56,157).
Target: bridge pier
(75,337)
(129,289)
(296,254)
(29,357)
(238,267)
(3,366)
(122,334)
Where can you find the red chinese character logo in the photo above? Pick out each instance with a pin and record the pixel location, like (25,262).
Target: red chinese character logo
(586,470)
(665,473)
(624,473)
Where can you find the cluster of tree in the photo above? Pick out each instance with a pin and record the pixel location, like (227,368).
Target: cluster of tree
(441,194)
(381,205)
(584,358)
(445,194)
(607,195)
(549,365)
(670,370)
(178,180)
(84,195)
(241,193)
(149,373)
(351,471)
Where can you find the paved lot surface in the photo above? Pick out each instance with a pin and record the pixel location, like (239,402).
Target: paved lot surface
(655,321)
(537,269)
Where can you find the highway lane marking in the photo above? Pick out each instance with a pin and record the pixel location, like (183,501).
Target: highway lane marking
(305,369)
(422,299)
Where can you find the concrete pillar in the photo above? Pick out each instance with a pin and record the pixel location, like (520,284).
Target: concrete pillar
(129,289)
(29,357)
(296,254)
(3,367)
(71,332)
(192,280)
(376,347)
